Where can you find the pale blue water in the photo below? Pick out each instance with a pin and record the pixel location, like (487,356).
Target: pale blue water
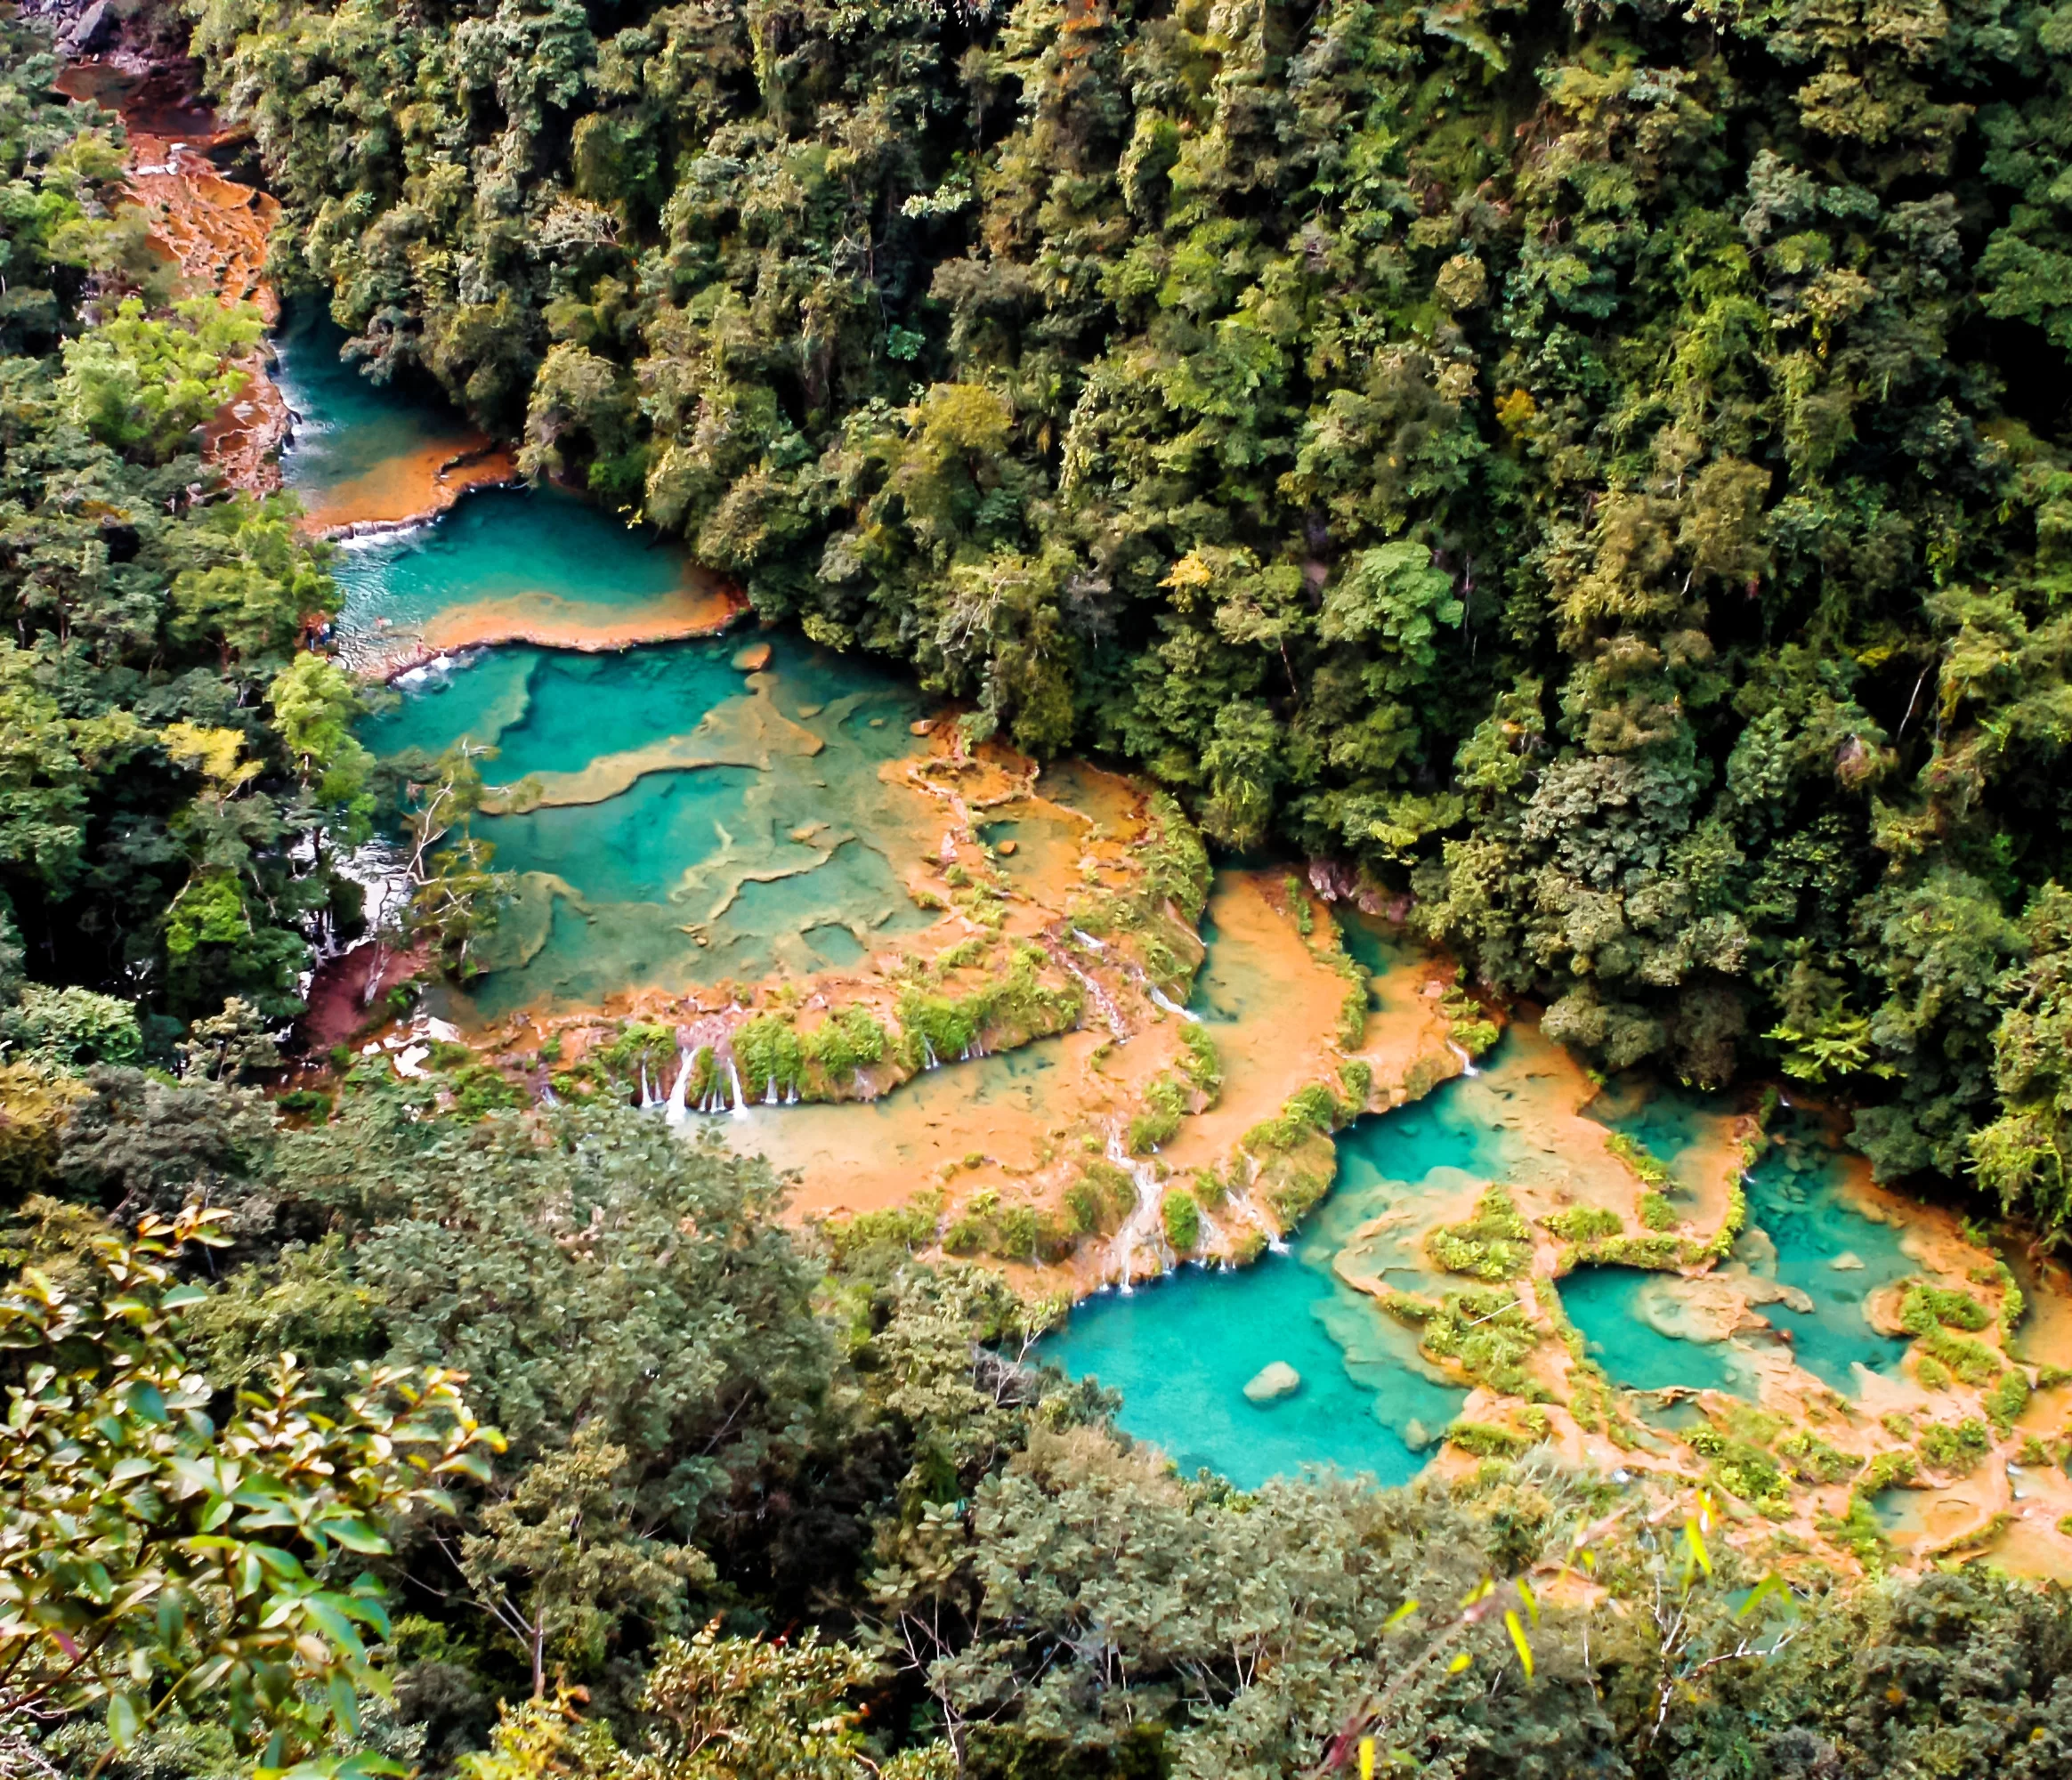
(1601,1302)
(347,426)
(1182,1349)
(529,550)
(797,860)
(1794,1198)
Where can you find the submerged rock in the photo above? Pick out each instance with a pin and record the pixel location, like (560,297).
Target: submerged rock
(1417,1436)
(1848,1262)
(1272,1382)
(752,657)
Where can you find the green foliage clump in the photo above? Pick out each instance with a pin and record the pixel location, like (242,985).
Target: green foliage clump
(1182,1218)
(640,1051)
(1584,1223)
(1743,1469)
(1812,1460)
(1017,1005)
(2007,1398)
(1954,1449)
(1489,1335)
(1656,1212)
(1100,1199)
(899,1230)
(1487,1441)
(1972,1362)
(1467,1024)
(1858,1533)
(848,1040)
(1652,1171)
(1012,1232)
(769,1054)
(1922,1306)
(1165,1103)
(1308,1111)
(1495,1244)
(1295,1193)
(1201,1063)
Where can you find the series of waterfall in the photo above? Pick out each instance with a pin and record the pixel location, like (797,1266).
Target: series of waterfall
(729,1098)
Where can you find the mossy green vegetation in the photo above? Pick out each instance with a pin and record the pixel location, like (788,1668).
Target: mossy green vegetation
(1181,1214)
(1496,1243)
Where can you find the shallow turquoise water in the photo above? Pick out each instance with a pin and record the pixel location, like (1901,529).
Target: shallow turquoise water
(1793,1196)
(793,860)
(527,549)
(1182,1349)
(1603,1302)
(554,710)
(1796,1202)
(347,426)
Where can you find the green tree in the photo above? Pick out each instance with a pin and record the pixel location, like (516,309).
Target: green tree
(160,1567)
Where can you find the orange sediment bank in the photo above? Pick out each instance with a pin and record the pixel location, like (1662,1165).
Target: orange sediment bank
(214,231)
(345,991)
(408,489)
(704,606)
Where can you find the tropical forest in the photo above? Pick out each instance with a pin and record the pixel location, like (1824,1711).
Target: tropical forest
(1035,889)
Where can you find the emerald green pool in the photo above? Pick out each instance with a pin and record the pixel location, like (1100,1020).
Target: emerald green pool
(787,849)
(1800,1225)
(348,429)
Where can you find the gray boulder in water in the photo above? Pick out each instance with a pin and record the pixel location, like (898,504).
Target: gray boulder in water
(1272,1382)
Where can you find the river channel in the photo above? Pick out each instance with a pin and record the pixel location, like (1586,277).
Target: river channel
(685,811)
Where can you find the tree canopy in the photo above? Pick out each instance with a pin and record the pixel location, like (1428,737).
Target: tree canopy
(1601,468)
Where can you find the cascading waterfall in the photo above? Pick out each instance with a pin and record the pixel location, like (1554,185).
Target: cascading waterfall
(931,1061)
(675,1111)
(1161,999)
(734,1078)
(648,1102)
(1144,1228)
(1097,995)
(1241,1197)
(770,1093)
(1467,1062)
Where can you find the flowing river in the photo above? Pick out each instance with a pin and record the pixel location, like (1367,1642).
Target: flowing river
(686,812)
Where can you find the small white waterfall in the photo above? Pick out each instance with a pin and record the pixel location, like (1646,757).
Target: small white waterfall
(675,1111)
(648,1101)
(1242,1200)
(1089,941)
(1162,999)
(733,1081)
(1097,995)
(1144,1228)
(929,1053)
(770,1093)
(1467,1062)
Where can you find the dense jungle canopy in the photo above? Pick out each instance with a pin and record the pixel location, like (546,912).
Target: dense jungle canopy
(1599,476)
(1601,469)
